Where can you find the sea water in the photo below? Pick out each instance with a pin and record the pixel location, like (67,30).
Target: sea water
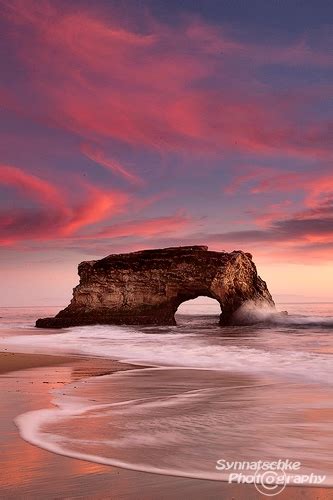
(209,393)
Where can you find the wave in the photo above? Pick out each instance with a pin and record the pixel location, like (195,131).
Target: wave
(156,420)
(170,348)
(252,313)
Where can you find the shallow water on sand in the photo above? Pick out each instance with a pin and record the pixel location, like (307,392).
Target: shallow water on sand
(251,393)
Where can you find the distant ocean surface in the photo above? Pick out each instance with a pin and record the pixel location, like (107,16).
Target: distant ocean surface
(261,392)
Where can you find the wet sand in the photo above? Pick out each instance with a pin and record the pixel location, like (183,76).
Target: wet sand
(32,473)
(13,361)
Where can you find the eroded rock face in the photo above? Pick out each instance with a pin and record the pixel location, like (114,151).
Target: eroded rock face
(146,287)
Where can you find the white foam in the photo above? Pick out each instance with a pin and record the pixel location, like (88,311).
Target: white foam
(252,313)
(30,426)
(179,350)
(36,427)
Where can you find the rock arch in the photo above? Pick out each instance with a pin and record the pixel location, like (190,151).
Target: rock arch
(147,287)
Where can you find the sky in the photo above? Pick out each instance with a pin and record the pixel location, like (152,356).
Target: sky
(134,124)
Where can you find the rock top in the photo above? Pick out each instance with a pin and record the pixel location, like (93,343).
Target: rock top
(146,287)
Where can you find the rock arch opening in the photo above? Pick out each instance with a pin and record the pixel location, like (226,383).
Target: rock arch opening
(201,306)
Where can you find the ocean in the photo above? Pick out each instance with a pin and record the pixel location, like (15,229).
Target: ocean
(209,395)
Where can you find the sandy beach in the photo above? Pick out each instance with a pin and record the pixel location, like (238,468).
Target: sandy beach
(29,472)
(13,361)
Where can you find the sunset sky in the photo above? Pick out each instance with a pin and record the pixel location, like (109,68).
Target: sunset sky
(132,124)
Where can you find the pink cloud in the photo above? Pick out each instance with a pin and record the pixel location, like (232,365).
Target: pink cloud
(275,211)
(114,166)
(98,206)
(151,88)
(56,216)
(188,88)
(30,185)
(147,227)
(315,185)
(284,230)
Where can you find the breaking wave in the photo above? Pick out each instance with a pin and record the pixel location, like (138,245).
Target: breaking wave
(251,313)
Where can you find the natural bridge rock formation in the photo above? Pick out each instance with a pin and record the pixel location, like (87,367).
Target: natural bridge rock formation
(146,288)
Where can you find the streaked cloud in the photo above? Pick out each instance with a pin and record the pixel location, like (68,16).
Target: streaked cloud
(190,87)
(97,156)
(169,132)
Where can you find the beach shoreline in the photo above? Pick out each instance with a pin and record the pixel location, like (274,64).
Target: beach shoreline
(16,361)
(28,380)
